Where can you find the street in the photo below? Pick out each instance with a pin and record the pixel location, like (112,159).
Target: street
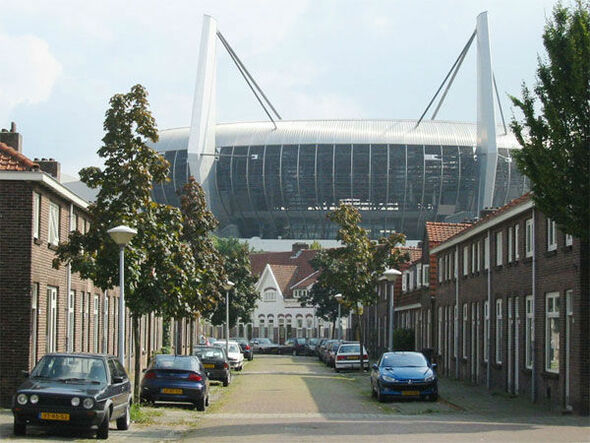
(284,398)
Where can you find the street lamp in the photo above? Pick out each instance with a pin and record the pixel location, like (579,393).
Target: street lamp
(338,298)
(122,235)
(227,286)
(391,276)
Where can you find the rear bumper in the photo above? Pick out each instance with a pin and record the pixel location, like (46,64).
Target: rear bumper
(194,392)
(354,364)
(217,374)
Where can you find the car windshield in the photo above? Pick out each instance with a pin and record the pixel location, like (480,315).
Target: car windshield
(205,354)
(71,369)
(301,341)
(313,341)
(234,348)
(164,361)
(413,360)
(264,341)
(349,349)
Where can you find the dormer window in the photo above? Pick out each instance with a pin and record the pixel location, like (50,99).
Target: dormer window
(270,295)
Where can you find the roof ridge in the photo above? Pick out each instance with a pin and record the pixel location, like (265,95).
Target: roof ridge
(17,156)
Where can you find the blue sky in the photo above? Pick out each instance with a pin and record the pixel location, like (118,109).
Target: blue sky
(62,61)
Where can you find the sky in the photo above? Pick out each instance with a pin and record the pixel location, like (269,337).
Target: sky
(319,59)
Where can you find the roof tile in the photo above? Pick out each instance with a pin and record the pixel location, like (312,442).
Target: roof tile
(12,160)
(438,232)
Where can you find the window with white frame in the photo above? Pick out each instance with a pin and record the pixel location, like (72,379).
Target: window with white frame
(517,242)
(73,221)
(261,327)
(404,281)
(419,275)
(51,319)
(270,295)
(440,330)
(440,269)
(552,332)
(486,253)
(551,238)
(53,236)
(95,309)
(465,260)
(529,332)
(528,238)
(465,320)
(510,243)
(411,279)
(271,325)
(105,325)
(87,314)
(473,257)
(426,275)
(71,321)
(428,328)
(486,330)
(499,252)
(34,322)
(36,215)
(478,254)
(499,330)
(569,239)
(455,330)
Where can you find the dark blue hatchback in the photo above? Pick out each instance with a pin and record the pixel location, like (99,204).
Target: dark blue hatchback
(404,375)
(176,378)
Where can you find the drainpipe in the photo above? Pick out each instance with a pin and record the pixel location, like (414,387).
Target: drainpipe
(534,294)
(488,341)
(456,317)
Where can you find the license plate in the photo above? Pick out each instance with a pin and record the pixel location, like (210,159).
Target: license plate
(209,366)
(54,416)
(353,357)
(412,393)
(171,391)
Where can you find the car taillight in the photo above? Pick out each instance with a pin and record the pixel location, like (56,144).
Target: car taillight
(225,365)
(341,357)
(365,357)
(195,377)
(247,347)
(150,375)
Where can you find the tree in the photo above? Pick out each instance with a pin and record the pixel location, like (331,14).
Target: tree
(321,297)
(354,269)
(555,137)
(159,268)
(243,296)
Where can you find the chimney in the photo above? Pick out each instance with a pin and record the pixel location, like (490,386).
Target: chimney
(486,211)
(51,166)
(12,138)
(299,246)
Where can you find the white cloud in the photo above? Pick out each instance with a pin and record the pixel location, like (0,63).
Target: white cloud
(29,71)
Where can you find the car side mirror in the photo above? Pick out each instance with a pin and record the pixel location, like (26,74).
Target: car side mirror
(118,379)
(434,366)
(374,366)
(25,374)
(144,370)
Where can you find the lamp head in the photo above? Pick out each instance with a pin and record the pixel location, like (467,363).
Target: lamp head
(228,285)
(122,234)
(391,275)
(338,297)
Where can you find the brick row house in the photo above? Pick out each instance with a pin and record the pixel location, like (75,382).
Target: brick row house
(502,305)
(43,309)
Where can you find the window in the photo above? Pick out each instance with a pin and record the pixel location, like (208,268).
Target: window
(455,330)
(499,327)
(262,328)
(440,322)
(486,331)
(465,260)
(270,295)
(411,279)
(569,239)
(51,319)
(426,275)
(36,215)
(105,325)
(529,332)
(404,281)
(499,251)
(419,275)
(510,243)
(428,327)
(478,254)
(486,253)
(465,319)
(552,332)
(95,322)
(528,241)
(53,236)
(71,321)
(473,257)
(440,269)
(73,221)
(34,322)
(551,240)
(517,242)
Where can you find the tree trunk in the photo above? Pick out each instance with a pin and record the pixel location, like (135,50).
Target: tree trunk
(333,329)
(137,343)
(192,336)
(361,341)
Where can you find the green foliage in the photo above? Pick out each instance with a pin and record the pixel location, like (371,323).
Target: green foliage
(322,298)
(403,339)
(144,415)
(315,245)
(555,136)
(243,296)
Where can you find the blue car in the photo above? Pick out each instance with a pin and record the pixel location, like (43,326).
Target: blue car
(405,375)
(176,379)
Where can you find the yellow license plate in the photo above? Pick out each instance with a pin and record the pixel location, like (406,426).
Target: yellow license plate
(171,391)
(413,393)
(209,366)
(54,416)
(353,357)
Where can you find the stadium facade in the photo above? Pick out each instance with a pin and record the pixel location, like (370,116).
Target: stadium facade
(280,179)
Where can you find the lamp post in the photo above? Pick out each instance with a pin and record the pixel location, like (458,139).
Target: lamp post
(391,276)
(338,298)
(122,235)
(227,286)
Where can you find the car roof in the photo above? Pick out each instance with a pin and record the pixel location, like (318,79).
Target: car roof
(79,354)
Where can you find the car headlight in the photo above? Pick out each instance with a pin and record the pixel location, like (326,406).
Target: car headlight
(388,378)
(429,378)
(34,399)
(22,399)
(88,403)
(75,401)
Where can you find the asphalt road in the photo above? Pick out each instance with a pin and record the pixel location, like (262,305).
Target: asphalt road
(284,398)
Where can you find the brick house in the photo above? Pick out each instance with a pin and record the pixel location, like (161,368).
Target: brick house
(43,309)
(511,313)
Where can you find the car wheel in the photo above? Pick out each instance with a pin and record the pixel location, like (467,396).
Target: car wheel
(251,358)
(373,393)
(207,401)
(19,428)
(227,380)
(294,353)
(380,396)
(336,369)
(200,404)
(124,421)
(433,397)
(103,429)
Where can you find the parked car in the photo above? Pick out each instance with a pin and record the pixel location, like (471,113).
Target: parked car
(264,346)
(215,362)
(77,390)
(295,346)
(331,353)
(348,356)
(319,345)
(310,346)
(234,354)
(323,351)
(404,374)
(177,379)
(245,347)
